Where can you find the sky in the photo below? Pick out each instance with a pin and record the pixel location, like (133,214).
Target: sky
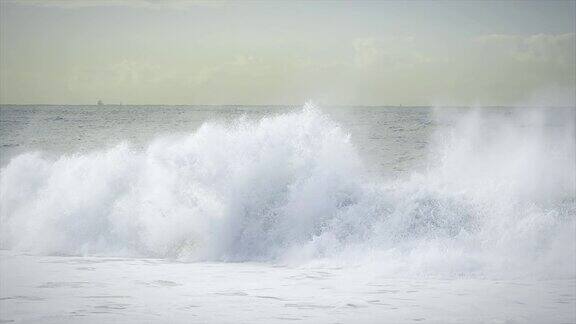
(279,52)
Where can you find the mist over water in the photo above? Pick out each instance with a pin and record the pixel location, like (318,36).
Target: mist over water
(496,196)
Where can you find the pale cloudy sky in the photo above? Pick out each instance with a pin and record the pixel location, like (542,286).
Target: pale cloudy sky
(182,52)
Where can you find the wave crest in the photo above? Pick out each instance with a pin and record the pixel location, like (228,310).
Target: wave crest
(291,188)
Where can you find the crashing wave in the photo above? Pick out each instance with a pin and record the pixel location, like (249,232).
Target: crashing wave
(497,198)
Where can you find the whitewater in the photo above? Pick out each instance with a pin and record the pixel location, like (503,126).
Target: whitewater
(418,214)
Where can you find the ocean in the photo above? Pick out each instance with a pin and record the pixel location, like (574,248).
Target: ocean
(243,214)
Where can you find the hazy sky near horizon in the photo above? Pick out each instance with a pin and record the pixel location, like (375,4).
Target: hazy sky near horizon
(183,52)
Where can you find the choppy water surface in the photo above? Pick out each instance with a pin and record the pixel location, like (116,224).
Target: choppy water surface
(391,137)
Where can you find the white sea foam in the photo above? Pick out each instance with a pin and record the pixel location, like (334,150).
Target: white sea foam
(498,198)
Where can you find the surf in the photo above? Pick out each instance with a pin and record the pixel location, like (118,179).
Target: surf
(497,198)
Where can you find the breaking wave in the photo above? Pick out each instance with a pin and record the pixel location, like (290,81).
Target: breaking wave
(498,197)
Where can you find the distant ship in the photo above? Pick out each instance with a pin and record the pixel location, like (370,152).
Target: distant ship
(100,103)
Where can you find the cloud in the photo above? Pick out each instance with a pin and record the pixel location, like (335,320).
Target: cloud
(144,4)
(388,53)
(368,52)
(544,48)
(115,80)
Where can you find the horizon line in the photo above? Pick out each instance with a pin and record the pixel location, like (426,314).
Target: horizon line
(289,105)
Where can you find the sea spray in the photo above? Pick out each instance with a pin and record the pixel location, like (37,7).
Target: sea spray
(497,198)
